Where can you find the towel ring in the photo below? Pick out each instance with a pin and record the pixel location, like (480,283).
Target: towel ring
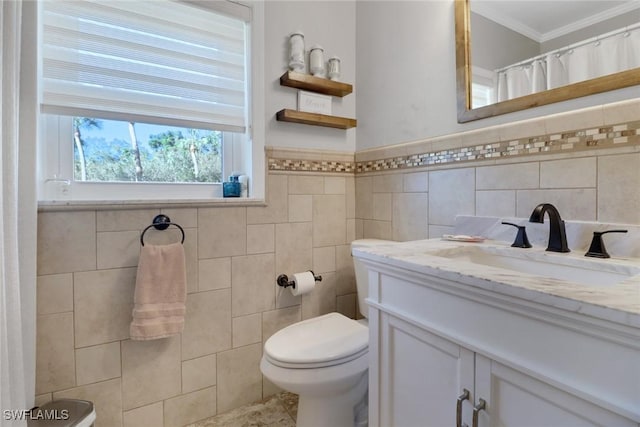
(161,222)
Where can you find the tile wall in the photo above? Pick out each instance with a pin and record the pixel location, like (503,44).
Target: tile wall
(86,275)
(591,180)
(315,206)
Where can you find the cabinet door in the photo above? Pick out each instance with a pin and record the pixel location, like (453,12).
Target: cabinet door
(420,376)
(514,399)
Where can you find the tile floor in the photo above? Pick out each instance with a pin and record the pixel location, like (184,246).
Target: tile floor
(279,410)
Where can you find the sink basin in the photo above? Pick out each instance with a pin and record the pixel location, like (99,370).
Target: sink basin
(586,271)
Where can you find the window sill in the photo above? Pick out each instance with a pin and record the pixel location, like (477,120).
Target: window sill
(84,205)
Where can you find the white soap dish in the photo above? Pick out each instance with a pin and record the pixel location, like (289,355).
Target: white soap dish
(463,238)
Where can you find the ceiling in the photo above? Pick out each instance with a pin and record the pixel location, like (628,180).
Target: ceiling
(543,20)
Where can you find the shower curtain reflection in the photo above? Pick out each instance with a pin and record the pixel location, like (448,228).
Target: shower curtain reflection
(607,54)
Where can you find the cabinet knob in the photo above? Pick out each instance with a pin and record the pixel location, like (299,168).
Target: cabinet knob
(482,405)
(464,396)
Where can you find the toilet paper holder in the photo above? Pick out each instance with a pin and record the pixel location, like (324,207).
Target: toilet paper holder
(283,280)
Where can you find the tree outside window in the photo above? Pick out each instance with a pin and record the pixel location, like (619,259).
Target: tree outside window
(118,151)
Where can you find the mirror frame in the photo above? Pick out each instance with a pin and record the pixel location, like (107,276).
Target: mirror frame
(463,76)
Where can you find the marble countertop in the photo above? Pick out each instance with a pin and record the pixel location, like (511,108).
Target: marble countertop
(617,302)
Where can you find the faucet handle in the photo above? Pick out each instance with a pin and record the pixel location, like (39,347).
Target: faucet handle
(521,238)
(597,249)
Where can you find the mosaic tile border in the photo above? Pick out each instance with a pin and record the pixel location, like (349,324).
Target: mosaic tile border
(311,166)
(589,138)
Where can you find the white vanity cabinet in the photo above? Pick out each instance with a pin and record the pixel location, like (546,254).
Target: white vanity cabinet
(417,376)
(432,338)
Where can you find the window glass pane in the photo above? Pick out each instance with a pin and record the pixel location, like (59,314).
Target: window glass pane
(481,95)
(118,151)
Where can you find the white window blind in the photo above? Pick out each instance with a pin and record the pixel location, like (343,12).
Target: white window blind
(160,61)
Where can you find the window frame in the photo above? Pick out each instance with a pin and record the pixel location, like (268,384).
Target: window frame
(58,149)
(241,152)
(486,81)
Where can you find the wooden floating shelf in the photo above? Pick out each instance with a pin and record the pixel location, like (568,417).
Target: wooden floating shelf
(315,119)
(315,84)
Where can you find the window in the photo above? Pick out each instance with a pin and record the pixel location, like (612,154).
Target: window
(117,151)
(481,95)
(482,87)
(144,100)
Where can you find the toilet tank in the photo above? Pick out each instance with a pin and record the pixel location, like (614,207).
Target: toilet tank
(362,276)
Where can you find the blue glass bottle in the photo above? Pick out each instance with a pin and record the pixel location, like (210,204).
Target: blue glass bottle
(232,188)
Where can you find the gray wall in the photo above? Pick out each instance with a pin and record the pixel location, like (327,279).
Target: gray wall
(592,31)
(330,24)
(495,46)
(406,75)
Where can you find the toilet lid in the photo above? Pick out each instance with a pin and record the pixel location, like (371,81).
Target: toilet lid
(318,341)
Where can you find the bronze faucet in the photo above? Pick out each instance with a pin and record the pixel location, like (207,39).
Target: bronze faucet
(557,232)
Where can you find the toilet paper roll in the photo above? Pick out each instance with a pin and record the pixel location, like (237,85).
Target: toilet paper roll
(305,282)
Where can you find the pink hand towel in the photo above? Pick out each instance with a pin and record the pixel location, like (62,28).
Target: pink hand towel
(161,292)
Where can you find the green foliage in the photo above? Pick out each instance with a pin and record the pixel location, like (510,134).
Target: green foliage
(165,140)
(170,156)
(113,161)
(86,123)
(176,162)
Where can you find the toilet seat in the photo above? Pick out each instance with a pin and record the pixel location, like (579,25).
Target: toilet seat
(322,341)
(323,364)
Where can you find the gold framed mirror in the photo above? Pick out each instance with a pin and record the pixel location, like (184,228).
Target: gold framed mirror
(467,113)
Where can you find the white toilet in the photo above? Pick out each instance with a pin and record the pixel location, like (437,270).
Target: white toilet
(325,361)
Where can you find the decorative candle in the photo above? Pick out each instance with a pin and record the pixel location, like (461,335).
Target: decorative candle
(316,61)
(296,57)
(334,68)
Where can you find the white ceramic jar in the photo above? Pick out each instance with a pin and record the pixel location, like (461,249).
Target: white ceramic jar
(316,61)
(333,66)
(296,55)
